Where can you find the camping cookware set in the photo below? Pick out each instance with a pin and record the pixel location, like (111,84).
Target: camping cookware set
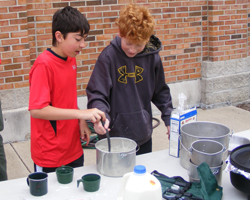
(209,142)
(204,142)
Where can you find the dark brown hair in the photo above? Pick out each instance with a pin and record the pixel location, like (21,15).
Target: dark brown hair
(69,20)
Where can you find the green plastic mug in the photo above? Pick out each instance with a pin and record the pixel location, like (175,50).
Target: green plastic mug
(64,174)
(37,183)
(91,182)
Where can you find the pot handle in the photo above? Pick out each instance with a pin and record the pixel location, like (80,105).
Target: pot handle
(123,155)
(231,134)
(138,148)
(189,150)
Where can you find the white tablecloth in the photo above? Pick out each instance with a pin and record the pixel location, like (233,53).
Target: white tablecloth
(17,189)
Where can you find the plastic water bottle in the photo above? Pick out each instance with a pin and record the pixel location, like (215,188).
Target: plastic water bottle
(140,185)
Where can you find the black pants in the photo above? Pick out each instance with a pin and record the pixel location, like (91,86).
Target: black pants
(77,163)
(3,173)
(145,148)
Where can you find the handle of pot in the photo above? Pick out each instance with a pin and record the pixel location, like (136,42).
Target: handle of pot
(123,155)
(231,135)
(188,150)
(138,148)
(224,148)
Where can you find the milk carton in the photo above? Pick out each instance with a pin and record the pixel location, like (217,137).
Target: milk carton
(179,117)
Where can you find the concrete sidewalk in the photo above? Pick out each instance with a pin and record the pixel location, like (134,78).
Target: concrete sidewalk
(19,162)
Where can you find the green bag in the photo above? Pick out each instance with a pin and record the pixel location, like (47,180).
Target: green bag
(1,118)
(206,189)
(209,186)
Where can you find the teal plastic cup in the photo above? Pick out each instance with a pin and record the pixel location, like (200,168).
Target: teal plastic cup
(91,182)
(64,174)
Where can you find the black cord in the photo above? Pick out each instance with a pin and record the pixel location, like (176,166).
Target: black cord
(158,122)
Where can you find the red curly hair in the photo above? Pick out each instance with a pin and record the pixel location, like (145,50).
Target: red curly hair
(136,23)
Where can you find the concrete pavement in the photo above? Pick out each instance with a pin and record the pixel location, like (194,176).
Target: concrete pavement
(19,162)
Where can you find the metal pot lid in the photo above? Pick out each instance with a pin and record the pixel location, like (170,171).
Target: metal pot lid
(240,157)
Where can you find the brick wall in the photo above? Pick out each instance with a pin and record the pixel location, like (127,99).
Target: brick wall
(14,45)
(191,31)
(228,29)
(225,72)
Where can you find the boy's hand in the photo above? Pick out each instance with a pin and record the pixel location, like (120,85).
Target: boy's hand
(84,131)
(168,133)
(94,115)
(100,129)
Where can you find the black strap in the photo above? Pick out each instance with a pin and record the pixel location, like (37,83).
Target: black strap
(170,194)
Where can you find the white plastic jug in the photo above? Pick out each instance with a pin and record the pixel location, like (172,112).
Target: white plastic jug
(140,185)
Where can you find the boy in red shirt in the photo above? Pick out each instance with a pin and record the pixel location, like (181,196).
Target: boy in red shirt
(56,122)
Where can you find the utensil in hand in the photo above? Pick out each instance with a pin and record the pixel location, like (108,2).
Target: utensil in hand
(108,136)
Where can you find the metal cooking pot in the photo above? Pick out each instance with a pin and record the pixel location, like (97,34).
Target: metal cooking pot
(208,151)
(202,130)
(240,159)
(194,175)
(120,160)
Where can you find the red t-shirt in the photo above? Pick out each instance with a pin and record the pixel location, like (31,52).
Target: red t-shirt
(53,82)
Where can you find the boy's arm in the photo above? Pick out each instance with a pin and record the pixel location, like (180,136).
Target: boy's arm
(53,113)
(98,88)
(162,97)
(168,132)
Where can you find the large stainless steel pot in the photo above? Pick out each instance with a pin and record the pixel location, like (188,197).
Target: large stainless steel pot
(120,160)
(202,130)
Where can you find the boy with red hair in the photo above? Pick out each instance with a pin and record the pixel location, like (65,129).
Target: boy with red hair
(127,77)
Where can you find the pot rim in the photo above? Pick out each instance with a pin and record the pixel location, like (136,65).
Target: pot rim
(205,153)
(205,137)
(234,160)
(114,138)
(216,167)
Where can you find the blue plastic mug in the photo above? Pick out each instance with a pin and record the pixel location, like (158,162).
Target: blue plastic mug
(37,183)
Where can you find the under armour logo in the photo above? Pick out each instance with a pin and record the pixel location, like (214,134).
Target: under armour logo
(74,67)
(137,74)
